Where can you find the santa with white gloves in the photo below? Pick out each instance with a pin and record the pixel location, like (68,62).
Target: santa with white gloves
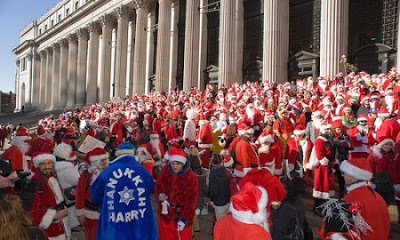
(299,150)
(269,153)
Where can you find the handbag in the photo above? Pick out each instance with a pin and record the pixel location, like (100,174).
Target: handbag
(295,233)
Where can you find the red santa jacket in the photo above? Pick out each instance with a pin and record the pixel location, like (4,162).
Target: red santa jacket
(41,211)
(16,158)
(270,156)
(39,145)
(246,157)
(385,162)
(373,209)
(182,192)
(171,133)
(205,138)
(283,125)
(390,128)
(155,150)
(83,195)
(360,143)
(292,151)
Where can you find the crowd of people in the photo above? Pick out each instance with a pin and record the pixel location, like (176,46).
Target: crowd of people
(248,150)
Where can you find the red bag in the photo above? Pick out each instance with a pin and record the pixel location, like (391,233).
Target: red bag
(233,186)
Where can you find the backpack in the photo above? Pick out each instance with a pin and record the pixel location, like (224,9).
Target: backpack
(25,189)
(233,186)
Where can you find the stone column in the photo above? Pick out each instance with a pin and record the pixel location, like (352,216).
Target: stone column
(63,74)
(72,66)
(173,51)
(334,32)
(226,60)
(130,53)
(42,88)
(28,88)
(107,22)
(121,52)
(149,49)
(239,38)
(191,55)
(113,55)
(36,81)
(56,77)
(83,37)
(163,45)
(17,88)
(93,62)
(139,67)
(202,46)
(49,77)
(276,40)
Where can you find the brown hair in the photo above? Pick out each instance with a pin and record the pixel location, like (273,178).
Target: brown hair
(14,221)
(216,159)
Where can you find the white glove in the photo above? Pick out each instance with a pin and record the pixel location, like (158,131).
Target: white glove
(181,226)
(165,204)
(372,185)
(324,162)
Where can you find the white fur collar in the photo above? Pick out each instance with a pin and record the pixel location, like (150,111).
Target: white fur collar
(353,186)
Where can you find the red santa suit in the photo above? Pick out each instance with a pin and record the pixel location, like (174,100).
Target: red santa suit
(391,104)
(42,210)
(293,149)
(322,159)
(205,141)
(246,156)
(248,218)
(189,132)
(269,154)
(360,141)
(372,206)
(390,128)
(16,154)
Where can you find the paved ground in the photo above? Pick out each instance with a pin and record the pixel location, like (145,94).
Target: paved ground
(206,222)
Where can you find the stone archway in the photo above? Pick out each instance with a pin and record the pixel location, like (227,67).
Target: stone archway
(374,58)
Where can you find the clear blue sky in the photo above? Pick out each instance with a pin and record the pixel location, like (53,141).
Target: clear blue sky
(14,16)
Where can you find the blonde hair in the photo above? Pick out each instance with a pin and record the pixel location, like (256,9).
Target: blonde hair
(14,221)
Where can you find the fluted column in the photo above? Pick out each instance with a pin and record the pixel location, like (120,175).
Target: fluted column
(202,46)
(63,74)
(163,45)
(55,76)
(226,43)
(28,88)
(191,56)
(83,37)
(276,40)
(36,81)
(17,88)
(72,66)
(173,51)
(49,77)
(121,52)
(93,62)
(334,32)
(149,49)
(139,67)
(239,37)
(107,22)
(130,52)
(42,88)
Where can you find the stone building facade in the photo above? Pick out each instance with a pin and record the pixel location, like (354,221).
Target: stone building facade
(85,51)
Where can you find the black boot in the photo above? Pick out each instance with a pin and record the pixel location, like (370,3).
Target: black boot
(317,210)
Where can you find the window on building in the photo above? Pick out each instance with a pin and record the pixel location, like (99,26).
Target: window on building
(59,17)
(40,31)
(23,64)
(76,5)
(52,23)
(67,12)
(45,27)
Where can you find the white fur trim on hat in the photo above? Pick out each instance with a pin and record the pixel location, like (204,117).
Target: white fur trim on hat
(248,131)
(63,151)
(337,236)
(362,119)
(299,132)
(376,150)
(43,157)
(248,216)
(354,171)
(96,158)
(177,158)
(267,139)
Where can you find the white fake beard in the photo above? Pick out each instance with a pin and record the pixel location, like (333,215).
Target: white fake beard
(250,113)
(23,147)
(323,86)
(378,123)
(129,129)
(155,144)
(389,99)
(317,123)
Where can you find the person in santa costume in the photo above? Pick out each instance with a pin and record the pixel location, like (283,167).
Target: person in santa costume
(87,212)
(357,172)
(17,153)
(68,177)
(390,101)
(245,156)
(269,154)
(323,159)
(298,151)
(361,138)
(205,141)
(189,132)
(313,127)
(249,216)
(48,210)
(156,150)
(389,127)
(123,191)
(145,159)
(283,128)
(44,141)
(177,192)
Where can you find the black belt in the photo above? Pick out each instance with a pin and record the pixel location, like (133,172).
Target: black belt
(91,206)
(57,207)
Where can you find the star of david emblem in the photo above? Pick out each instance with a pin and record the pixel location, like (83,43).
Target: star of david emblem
(126,196)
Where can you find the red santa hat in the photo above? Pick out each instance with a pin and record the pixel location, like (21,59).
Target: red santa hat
(243,128)
(383,112)
(299,130)
(337,124)
(266,138)
(64,151)
(249,204)
(22,133)
(143,154)
(39,157)
(177,155)
(40,130)
(325,126)
(95,156)
(362,117)
(154,134)
(228,160)
(359,168)
(364,99)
